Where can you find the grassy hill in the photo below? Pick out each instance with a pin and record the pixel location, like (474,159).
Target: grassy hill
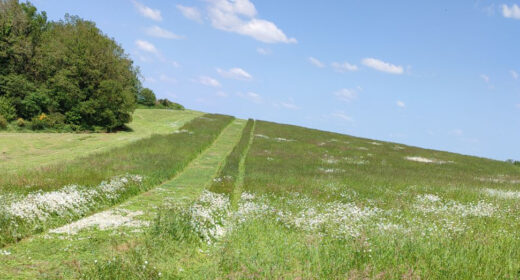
(224,198)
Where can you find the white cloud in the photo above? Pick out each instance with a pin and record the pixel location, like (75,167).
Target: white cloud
(485,78)
(221,94)
(514,74)
(167,79)
(156,31)
(208,81)
(235,73)
(346,95)
(316,62)
(511,12)
(176,64)
(290,106)
(400,104)
(251,96)
(263,51)
(191,13)
(343,67)
(239,16)
(342,116)
(148,12)
(382,66)
(146,46)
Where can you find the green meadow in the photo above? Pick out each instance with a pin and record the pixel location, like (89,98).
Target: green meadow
(214,197)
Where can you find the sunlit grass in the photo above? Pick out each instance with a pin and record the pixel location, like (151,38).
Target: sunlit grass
(154,159)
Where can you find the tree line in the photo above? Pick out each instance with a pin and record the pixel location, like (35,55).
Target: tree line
(63,73)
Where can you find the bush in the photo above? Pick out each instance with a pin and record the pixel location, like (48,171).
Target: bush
(3,122)
(146,97)
(20,122)
(169,104)
(7,109)
(38,123)
(55,120)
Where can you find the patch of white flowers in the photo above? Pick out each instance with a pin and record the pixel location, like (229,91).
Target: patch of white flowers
(210,215)
(104,220)
(430,203)
(68,201)
(4,253)
(278,139)
(499,179)
(427,160)
(502,194)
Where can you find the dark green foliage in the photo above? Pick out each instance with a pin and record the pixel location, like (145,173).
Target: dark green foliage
(3,122)
(68,67)
(146,97)
(163,104)
(7,109)
(228,174)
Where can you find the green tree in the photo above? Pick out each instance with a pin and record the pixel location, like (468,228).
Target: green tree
(146,97)
(68,68)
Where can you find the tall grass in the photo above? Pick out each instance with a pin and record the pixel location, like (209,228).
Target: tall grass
(319,205)
(155,159)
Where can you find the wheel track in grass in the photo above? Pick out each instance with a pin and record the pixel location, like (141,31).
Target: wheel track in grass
(60,256)
(239,184)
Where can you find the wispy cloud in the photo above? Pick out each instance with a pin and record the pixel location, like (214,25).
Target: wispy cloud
(235,73)
(511,12)
(240,17)
(146,46)
(251,96)
(485,78)
(346,94)
(400,104)
(382,66)
(343,67)
(167,79)
(342,116)
(316,62)
(191,13)
(514,74)
(263,51)
(209,81)
(156,31)
(153,14)
(221,94)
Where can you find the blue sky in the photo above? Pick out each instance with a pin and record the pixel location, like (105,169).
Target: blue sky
(437,74)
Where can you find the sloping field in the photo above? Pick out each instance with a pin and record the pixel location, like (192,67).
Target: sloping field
(36,200)
(286,202)
(21,151)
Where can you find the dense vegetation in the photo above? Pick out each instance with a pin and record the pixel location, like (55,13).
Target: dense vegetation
(155,159)
(64,74)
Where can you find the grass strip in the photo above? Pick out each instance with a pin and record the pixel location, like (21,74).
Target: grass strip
(229,173)
(155,159)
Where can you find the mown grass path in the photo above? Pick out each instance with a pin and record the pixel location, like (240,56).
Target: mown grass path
(53,256)
(239,184)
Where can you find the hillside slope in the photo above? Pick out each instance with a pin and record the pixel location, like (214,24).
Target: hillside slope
(292,202)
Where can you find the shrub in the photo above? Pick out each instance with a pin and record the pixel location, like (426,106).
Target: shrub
(20,122)
(3,122)
(38,123)
(146,97)
(7,109)
(55,120)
